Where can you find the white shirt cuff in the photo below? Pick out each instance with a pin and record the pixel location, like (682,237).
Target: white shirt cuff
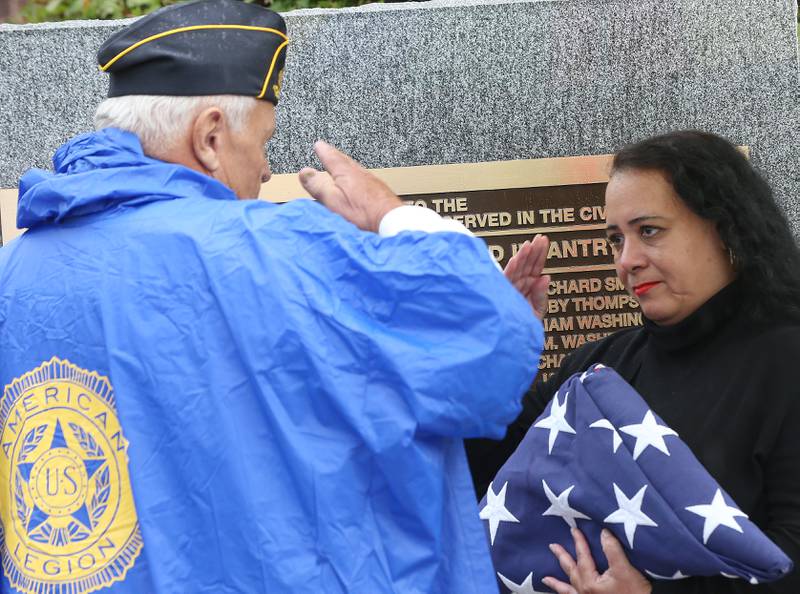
(417,218)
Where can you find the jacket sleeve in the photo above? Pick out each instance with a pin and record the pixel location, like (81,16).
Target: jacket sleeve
(487,456)
(421,326)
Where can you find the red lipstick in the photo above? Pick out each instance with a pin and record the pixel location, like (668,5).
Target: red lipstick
(643,288)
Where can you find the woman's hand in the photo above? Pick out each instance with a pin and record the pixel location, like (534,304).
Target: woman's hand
(524,271)
(620,577)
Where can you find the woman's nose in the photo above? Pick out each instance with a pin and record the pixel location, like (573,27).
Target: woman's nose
(632,256)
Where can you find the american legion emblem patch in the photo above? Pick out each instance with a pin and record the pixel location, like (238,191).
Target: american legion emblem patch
(68,520)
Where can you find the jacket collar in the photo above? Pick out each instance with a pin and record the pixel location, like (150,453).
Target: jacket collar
(103,170)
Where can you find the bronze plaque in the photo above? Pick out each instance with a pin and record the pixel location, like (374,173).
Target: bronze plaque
(8,216)
(587,301)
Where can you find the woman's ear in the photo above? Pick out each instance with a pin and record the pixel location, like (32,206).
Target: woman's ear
(208,138)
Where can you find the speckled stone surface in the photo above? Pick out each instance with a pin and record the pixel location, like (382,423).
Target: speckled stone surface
(460,81)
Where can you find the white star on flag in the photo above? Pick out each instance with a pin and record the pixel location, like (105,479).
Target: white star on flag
(526,587)
(559,506)
(606,424)
(717,513)
(630,513)
(556,421)
(648,433)
(676,576)
(591,370)
(495,510)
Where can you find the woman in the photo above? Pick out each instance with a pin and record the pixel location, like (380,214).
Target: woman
(699,241)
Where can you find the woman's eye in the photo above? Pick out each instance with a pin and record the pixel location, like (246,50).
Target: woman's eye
(648,231)
(615,241)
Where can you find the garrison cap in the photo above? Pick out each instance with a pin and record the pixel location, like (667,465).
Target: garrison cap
(204,47)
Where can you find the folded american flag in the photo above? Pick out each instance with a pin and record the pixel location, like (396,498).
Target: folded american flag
(599,457)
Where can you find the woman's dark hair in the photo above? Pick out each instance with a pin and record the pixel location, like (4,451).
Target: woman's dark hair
(718,183)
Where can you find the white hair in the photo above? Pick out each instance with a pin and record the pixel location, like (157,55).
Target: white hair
(159,121)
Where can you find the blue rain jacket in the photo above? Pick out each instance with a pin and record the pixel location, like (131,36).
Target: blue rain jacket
(203,394)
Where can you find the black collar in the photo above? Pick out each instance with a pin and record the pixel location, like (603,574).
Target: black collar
(701,323)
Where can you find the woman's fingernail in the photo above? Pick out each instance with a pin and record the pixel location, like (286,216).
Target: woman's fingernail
(604,534)
(552,547)
(546,581)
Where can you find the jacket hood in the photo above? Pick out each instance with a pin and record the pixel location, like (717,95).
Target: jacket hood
(102,170)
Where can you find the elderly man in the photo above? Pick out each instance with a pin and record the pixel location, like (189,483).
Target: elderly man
(204,394)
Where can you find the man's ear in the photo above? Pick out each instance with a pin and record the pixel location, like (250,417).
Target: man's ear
(207,138)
